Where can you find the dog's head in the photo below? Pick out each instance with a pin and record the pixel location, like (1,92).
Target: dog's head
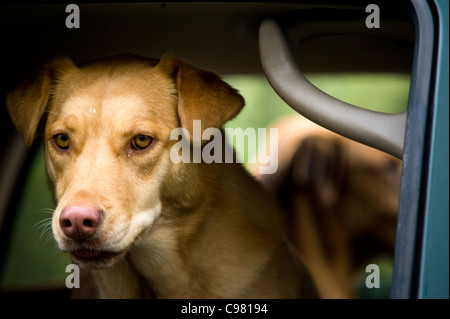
(106,127)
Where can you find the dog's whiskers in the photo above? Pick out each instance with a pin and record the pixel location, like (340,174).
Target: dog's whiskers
(44,226)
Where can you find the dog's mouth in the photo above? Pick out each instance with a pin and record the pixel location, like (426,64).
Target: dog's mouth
(93,258)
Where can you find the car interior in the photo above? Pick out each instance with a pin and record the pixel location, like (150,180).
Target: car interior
(327,38)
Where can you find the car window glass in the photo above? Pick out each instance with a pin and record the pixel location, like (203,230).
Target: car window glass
(33,260)
(382,92)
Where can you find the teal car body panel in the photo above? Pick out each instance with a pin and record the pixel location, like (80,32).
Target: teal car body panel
(434,279)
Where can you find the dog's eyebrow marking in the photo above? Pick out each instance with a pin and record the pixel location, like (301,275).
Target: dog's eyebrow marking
(71,122)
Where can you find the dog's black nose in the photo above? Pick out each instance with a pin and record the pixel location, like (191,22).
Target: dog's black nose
(80,222)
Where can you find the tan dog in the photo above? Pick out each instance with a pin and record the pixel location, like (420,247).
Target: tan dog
(146,226)
(341,198)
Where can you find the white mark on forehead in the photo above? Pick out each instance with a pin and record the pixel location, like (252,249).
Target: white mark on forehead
(81,104)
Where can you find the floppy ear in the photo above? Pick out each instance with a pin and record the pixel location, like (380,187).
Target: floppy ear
(202,95)
(28,102)
(319,165)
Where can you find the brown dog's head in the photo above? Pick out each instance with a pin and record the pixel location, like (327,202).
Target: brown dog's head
(106,128)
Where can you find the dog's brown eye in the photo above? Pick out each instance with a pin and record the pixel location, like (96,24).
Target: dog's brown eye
(61,141)
(141,142)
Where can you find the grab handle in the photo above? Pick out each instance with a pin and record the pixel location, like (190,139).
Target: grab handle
(380,130)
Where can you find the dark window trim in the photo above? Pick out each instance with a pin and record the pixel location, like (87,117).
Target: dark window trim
(16,190)
(410,228)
